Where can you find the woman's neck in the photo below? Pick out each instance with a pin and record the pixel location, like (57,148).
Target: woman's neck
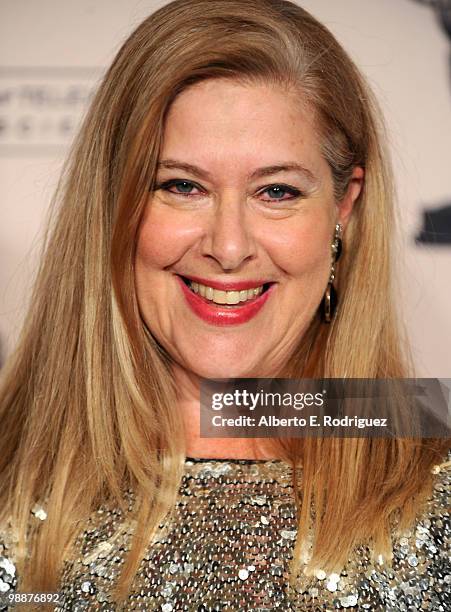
(188,391)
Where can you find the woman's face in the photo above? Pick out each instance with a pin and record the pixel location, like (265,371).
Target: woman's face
(243,200)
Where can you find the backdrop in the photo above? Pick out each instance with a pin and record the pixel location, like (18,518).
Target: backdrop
(53,53)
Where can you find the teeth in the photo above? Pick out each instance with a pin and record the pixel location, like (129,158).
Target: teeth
(220,297)
(225,297)
(233,297)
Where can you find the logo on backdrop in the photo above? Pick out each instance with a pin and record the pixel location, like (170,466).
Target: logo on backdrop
(41,107)
(436,227)
(436,222)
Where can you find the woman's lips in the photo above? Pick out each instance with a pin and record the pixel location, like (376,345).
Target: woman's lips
(221,314)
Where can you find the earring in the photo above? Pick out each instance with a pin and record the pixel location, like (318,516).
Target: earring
(328,305)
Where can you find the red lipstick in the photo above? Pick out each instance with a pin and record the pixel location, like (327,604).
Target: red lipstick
(223,315)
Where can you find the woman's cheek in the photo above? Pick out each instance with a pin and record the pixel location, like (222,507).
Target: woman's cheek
(164,237)
(302,249)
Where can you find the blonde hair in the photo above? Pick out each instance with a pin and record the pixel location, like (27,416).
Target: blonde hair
(88,400)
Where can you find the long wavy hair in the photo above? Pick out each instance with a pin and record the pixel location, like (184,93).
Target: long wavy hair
(88,404)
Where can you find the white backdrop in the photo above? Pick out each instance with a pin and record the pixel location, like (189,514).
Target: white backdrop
(53,52)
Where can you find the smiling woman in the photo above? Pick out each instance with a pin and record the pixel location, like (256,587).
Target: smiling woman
(243,201)
(229,185)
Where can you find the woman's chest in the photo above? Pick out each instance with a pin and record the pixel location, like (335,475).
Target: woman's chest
(228,545)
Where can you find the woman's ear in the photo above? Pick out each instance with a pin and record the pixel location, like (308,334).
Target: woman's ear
(346,205)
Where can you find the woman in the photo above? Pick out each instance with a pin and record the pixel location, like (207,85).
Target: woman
(231,147)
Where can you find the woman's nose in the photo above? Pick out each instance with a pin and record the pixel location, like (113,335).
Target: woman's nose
(229,238)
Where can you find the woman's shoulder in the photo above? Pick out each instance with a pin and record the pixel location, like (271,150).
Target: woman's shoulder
(434,521)
(439,499)
(8,573)
(107,512)
(442,473)
(432,527)
(106,522)
(9,579)
(420,565)
(436,516)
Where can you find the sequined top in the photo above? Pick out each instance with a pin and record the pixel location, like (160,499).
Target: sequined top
(227,547)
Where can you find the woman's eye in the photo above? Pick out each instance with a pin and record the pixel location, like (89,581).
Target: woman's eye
(279,192)
(179,187)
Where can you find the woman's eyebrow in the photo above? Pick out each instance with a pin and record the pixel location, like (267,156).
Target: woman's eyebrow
(259,172)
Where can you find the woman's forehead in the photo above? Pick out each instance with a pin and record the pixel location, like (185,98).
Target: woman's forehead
(222,124)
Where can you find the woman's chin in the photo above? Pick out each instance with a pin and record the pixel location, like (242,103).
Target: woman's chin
(221,373)
(212,370)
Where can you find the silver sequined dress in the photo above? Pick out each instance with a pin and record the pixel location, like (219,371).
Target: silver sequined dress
(228,545)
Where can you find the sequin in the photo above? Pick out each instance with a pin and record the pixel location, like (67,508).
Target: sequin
(39,512)
(87,587)
(331,585)
(4,586)
(6,565)
(288,535)
(349,601)
(227,547)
